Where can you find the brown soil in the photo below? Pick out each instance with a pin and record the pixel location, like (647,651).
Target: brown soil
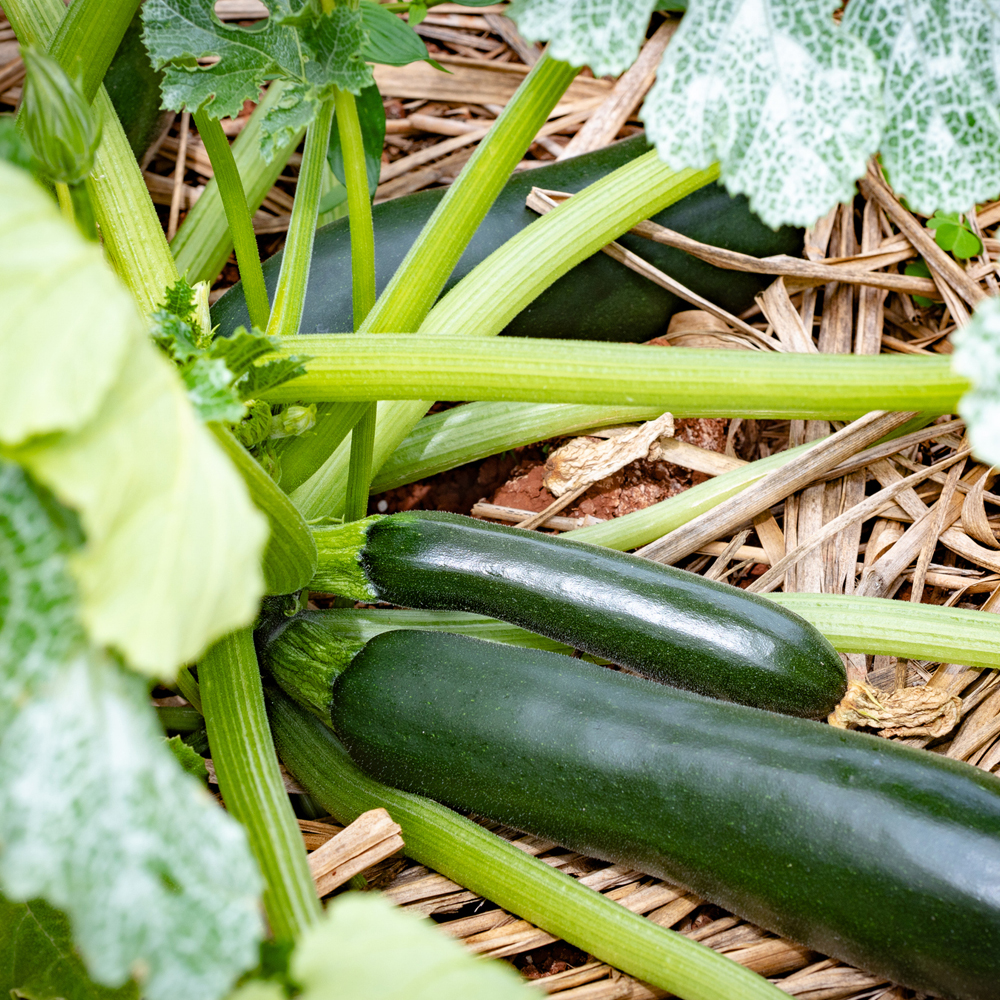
(514,479)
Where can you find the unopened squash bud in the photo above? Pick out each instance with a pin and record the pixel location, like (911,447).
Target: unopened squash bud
(57,120)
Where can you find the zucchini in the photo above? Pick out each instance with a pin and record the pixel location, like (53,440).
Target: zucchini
(875,853)
(306,652)
(598,300)
(657,620)
(474,857)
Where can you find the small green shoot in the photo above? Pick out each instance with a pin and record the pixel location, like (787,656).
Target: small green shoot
(952,233)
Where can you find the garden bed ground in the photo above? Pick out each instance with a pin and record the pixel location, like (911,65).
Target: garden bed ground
(934,543)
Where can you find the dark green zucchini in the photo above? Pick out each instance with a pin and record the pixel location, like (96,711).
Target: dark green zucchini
(872,852)
(598,300)
(657,620)
(306,652)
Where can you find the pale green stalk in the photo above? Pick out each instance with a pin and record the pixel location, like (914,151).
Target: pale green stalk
(882,627)
(289,296)
(87,38)
(130,229)
(425,269)
(689,382)
(362,288)
(543,252)
(250,781)
(539,254)
(203,241)
(238,215)
(334,423)
(419,279)
(65,202)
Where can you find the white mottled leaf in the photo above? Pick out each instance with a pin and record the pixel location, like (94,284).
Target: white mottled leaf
(367,949)
(977,357)
(787,102)
(602,34)
(97,817)
(54,290)
(38,626)
(942,96)
(172,559)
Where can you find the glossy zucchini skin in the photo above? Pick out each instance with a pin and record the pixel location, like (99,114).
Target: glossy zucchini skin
(657,620)
(598,300)
(878,854)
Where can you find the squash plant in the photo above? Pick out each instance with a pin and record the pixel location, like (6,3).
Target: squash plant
(138,532)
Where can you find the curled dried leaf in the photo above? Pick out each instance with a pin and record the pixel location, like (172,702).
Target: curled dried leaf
(912,711)
(583,461)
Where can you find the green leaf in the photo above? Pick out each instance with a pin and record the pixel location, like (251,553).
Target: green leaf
(55,289)
(180,32)
(37,958)
(298,43)
(602,34)
(416,13)
(269,374)
(191,763)
(367,949)
(255,426)
(951,233)
(788,103)
(175,337)
(13,146)
(919,269)
(242,349)
(942,83)
(179,301)
(155,879)
(38,627)
(294,111)
(977,356)
(209,386)
(390,39)
(172,559)
(334,45)
(371,114)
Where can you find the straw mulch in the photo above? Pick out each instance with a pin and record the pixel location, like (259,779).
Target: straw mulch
(932,540)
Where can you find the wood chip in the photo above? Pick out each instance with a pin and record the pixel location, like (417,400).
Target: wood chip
(470,80)
(370,838)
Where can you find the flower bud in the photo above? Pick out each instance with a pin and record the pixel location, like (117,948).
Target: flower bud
(57,120)
(293,420)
